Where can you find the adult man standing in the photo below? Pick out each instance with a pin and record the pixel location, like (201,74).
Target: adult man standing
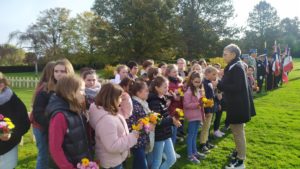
(261,72)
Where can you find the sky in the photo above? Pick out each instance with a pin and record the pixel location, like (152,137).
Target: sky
(19,14)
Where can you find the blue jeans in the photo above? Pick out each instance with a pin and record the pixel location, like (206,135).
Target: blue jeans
(139,158)
(193,127)
(9,160)
(42,145)
(174,134)
(166,147)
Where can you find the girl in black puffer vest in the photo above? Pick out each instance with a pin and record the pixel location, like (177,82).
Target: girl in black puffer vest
(68,137)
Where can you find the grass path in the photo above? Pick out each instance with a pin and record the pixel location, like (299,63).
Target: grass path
(273,135)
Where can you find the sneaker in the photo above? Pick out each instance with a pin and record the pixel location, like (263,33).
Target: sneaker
(236,164)
(210,146)
(218,134)
(233,154)
(194,160)
(204,149)
(222,133)
(200,156)
(177,155)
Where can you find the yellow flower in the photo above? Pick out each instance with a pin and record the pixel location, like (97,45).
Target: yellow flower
(6,119)
(204,99)
(180,92)
(85,162)
(153,119)
(145,121)
(11,126)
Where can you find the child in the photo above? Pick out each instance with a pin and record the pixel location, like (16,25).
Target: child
(139,92)
(181,63)
(163,67)
(153,72)
(121,73)
(196,67)
(194,115)
(68,138)
(126,103)
(133,70)
(40,136)
(113,140)
(218,105)
(210,74)
(251,80)
(175,83)
(163,131)
(92,86)
(203,63)
(40,121)
(11,107)
(147,64)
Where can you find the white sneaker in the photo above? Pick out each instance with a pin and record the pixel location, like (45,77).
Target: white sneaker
(177,155)
(218,134)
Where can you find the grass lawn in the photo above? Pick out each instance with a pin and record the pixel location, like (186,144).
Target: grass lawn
(272,136)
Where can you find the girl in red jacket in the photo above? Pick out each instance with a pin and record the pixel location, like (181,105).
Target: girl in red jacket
(175,89)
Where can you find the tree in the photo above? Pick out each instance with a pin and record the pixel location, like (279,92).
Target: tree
(290,34)
(263,24)
(30,58)
(202,23)
(11,55)
(53,22)
(139,28)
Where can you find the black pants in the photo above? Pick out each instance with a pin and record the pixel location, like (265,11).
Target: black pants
(217,120)
(260,83)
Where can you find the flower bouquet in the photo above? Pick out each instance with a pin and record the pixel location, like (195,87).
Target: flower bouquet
(179,114)
(6,125)
(154,118)
(87,164)
(145,125)
(207,103)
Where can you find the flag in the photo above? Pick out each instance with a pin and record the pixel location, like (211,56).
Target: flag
(288,62)
(276,62)
(266,62)
(287,66)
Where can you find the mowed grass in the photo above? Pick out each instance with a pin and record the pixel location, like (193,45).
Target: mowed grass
(273,135)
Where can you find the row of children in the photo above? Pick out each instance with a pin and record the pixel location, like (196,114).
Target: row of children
(75,118)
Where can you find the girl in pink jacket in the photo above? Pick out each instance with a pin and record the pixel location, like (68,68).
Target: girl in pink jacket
(113,140)
(194,115)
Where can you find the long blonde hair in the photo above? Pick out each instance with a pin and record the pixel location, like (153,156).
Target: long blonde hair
(69,70)
(66,88)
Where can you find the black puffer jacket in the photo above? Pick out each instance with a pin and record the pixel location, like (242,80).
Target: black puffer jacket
(14,109)
(237,93)
(163,130)
(76,143)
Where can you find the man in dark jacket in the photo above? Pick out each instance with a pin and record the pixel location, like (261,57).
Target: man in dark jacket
(239,102)
(261,72)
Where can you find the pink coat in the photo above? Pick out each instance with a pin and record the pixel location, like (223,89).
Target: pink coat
(191,107)
(126,107)
(113,140)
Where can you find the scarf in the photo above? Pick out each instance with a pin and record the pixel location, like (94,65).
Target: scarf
(5,95)
(143,103)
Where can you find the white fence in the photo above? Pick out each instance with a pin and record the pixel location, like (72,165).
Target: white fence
(31,82)
(23,82)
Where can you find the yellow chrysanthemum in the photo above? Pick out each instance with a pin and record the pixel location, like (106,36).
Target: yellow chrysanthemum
(180,92)
(204,99)
(85,162)
(6,119)
(11,126)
